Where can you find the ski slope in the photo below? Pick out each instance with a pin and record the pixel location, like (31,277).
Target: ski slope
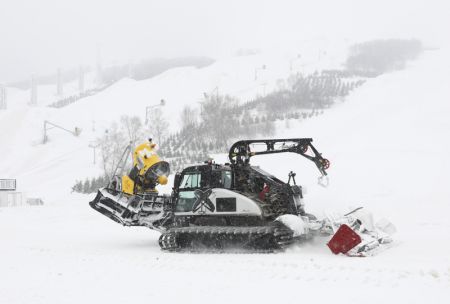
(66,158)
(388,145)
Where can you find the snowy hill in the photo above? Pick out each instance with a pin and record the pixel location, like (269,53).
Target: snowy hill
(21,126)
(388,146)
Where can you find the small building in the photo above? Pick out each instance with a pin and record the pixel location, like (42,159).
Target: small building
(9,197)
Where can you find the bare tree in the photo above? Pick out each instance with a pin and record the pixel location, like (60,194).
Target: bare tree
(268,128)
(248,129)
(112,144)
(218,117)
(158,125)
(133,128)
(188,117)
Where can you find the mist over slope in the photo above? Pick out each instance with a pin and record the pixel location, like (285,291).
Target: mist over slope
(66,158)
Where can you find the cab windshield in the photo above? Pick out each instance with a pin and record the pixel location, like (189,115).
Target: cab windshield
(191,180)
(200,180)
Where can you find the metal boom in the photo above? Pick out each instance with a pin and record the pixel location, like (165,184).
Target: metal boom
(241,151)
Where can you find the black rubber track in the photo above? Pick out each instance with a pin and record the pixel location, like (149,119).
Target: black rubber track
(260,238)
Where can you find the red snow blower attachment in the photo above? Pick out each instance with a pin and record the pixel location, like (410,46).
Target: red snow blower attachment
(344,240)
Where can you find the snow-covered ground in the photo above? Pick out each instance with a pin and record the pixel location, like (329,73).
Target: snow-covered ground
(388,145)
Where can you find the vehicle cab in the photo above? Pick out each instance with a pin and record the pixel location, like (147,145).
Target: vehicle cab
(200,177)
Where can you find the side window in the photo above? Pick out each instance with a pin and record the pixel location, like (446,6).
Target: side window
(190,180)
(226,179)
(185,201)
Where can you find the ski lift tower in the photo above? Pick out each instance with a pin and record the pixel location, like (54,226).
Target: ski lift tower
(33,91)
(130,69)
(59,83)
(3,103)
(81,79)
(99,68)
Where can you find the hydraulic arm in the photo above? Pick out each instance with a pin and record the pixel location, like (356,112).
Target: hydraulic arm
(241,151)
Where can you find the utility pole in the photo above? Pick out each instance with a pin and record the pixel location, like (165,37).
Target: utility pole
(147,112)
(264,88)
(94,145)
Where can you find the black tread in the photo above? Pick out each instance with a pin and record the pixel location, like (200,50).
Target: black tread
(271,237)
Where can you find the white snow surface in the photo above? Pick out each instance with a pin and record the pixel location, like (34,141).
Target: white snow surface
(295,223)
(388,144)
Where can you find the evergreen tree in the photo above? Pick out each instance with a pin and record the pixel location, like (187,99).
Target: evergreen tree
(86,186)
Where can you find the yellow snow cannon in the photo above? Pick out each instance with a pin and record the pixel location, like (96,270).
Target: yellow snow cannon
(148,170)
(129,196)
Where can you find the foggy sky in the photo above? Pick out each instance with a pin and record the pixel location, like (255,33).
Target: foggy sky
(37,36)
